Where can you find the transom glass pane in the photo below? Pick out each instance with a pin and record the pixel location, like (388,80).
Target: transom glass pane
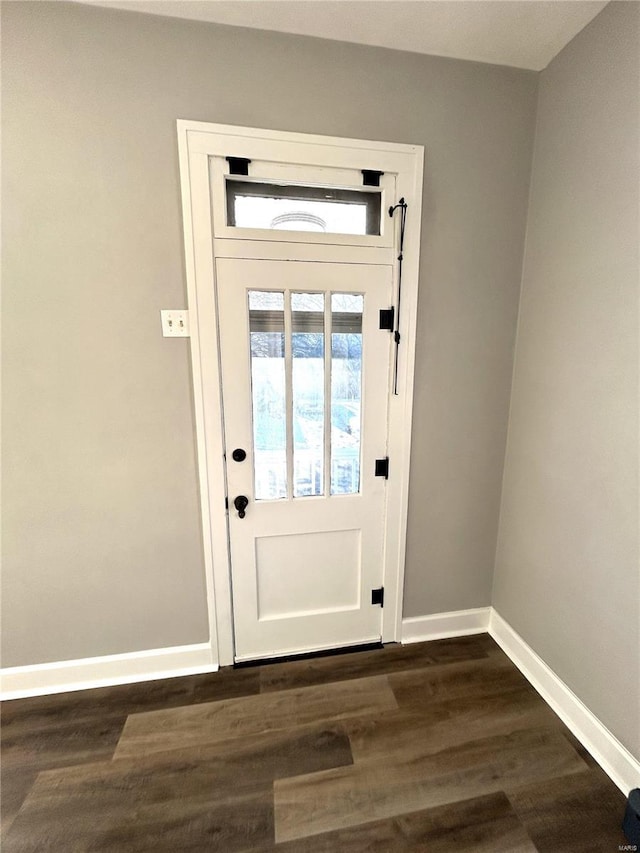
(268,395)
(294,208)
(346,392)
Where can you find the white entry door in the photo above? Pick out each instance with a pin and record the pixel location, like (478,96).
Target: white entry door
(305,378)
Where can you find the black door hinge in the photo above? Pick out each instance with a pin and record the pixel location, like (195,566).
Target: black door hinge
(238,165)
(371,177)
(377,596)
(382,468)
(386,319)
(226,503)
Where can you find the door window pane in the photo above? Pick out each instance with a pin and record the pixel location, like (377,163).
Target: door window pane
(307,332)
(266,325)
(294,208)
(346,392)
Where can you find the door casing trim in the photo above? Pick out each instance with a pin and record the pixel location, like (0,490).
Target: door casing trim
(197,143)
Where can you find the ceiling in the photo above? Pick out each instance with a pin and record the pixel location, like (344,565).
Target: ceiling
(521,33)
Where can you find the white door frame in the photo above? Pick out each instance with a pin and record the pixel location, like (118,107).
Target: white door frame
(198,142)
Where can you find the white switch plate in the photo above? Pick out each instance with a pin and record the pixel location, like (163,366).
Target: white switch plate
(175,324)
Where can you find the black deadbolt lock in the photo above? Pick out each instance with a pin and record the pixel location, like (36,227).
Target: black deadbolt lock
(239,455)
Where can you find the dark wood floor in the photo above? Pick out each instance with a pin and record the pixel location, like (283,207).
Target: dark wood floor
(436,747)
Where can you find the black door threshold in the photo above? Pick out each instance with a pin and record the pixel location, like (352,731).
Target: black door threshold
(325,653)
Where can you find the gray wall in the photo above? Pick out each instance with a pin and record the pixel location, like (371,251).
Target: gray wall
(567,574)
(101,536)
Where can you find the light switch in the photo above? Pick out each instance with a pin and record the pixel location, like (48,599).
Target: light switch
(175,324)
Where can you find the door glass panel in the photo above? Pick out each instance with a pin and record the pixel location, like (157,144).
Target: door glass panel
(268,394)
(346,392)
(294,208)
(307,348)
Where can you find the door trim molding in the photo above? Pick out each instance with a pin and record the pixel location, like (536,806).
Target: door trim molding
(197,143)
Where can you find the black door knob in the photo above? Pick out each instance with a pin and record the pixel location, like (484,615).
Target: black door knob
(239,455)
(241,503)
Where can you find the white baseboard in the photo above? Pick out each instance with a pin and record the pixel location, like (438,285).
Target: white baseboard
(611,755)
(62,676)
(439,626)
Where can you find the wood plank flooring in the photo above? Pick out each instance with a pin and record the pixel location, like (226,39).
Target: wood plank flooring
(158,731)
(436,747)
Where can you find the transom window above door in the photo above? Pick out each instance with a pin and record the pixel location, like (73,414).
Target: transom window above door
(261,199)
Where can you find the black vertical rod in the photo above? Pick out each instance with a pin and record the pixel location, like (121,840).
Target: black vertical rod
(396,332)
